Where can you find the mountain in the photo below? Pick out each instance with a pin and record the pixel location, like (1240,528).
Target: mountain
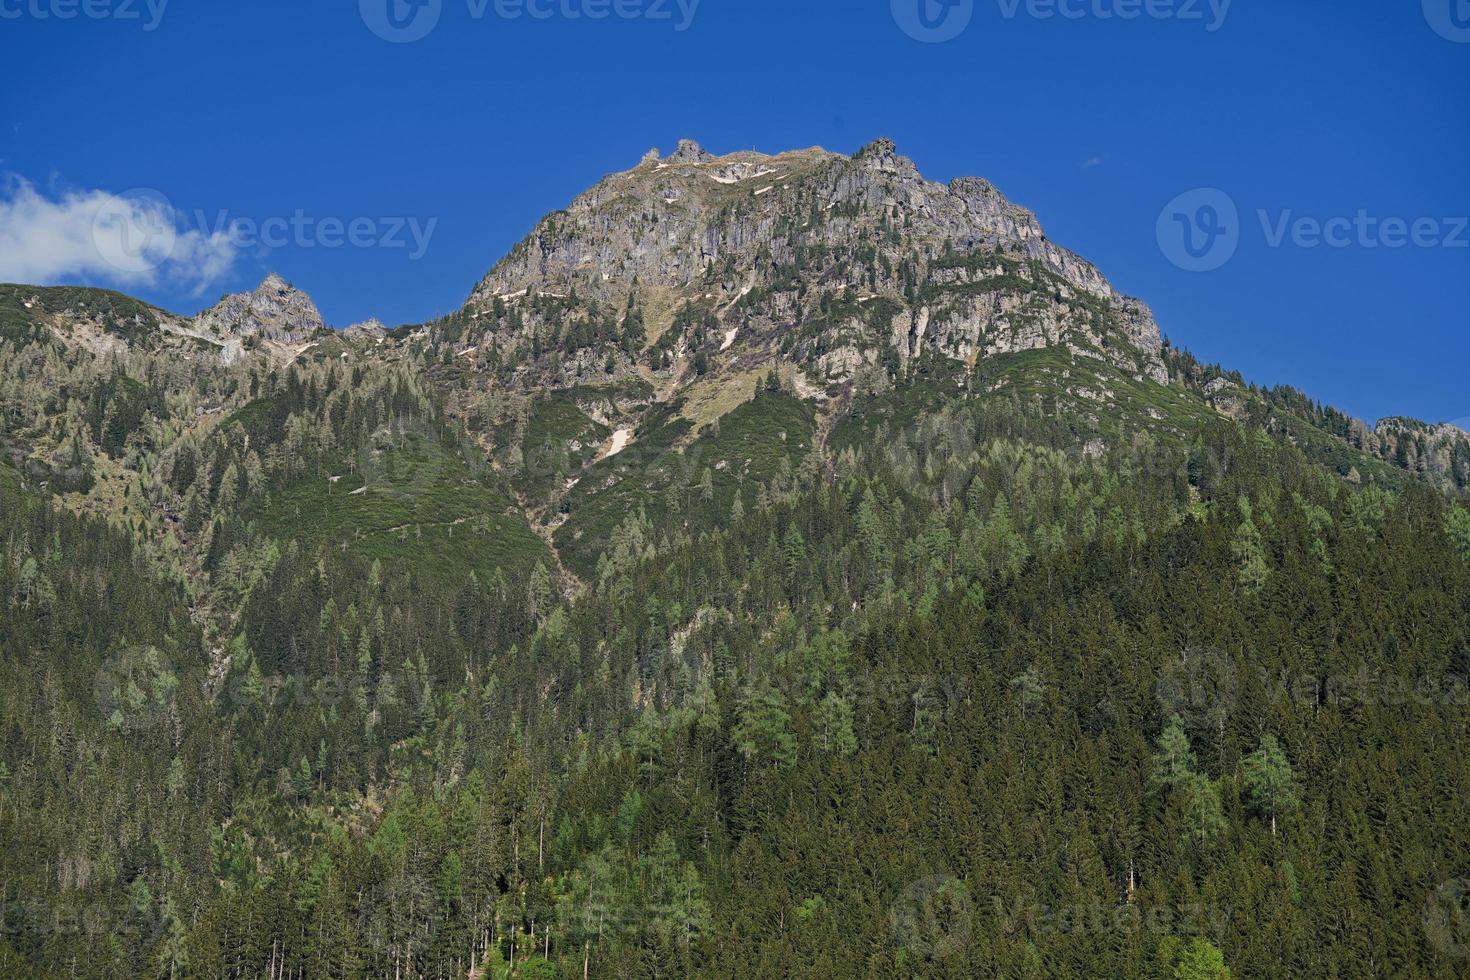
(276,311)
(695,273)
(692,272)
(276,317)
(834,260)
(779,565)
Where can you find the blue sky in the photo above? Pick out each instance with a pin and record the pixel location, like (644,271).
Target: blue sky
(1353,112)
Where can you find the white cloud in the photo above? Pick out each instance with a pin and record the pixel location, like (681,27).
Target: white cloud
(132,239)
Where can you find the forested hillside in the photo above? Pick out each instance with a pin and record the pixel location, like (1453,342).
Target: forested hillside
(620,630)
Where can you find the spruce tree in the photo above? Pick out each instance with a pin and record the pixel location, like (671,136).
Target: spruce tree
(1269,781)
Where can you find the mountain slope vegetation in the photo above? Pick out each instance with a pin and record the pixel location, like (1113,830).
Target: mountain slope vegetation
(781,566)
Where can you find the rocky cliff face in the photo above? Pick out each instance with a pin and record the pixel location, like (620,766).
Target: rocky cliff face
(275,311)
(1441,450)
(833,259)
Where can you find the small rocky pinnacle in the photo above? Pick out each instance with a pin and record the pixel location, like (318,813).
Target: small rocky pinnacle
(652,156)
(690,152)
(882,155)
(879,149)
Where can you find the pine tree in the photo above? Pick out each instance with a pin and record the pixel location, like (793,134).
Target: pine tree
(707,486)
(1203,808)
(793,550)
(834,724)
(1028,689)
(1250,555)
(538,594)
(301,778)
(1174,762)
(1270,781)
(762,733)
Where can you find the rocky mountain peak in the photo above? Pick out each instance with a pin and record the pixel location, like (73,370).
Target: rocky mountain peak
(880,148)
(853,255)
(691,152)
(882,155)
(275,311)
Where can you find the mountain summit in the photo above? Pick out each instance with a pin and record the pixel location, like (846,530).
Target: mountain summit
(275,310)
(834,259)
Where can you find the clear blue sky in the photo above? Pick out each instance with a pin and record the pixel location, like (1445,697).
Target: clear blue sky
(274,107)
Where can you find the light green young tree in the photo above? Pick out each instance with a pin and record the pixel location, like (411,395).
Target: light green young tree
(1269,781)
(1201,960)
(1174,762)
(1174,769)
(834,724)
(1202,804)
(763,732)
(1458,525)
(1250,555)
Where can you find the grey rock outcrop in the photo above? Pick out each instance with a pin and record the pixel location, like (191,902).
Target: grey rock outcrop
(841,252)
(690,152)
(275,311)
(368,330)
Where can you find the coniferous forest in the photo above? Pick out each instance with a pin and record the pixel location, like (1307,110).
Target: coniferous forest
(953,699)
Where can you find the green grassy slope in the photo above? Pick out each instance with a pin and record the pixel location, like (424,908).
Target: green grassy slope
(659,477)
(121,315)
(417,505)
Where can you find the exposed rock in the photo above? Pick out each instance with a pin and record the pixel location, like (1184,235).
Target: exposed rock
(776,239)
(369,329)
(690,152)
(1226,398)
(275,311)
(882,155)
